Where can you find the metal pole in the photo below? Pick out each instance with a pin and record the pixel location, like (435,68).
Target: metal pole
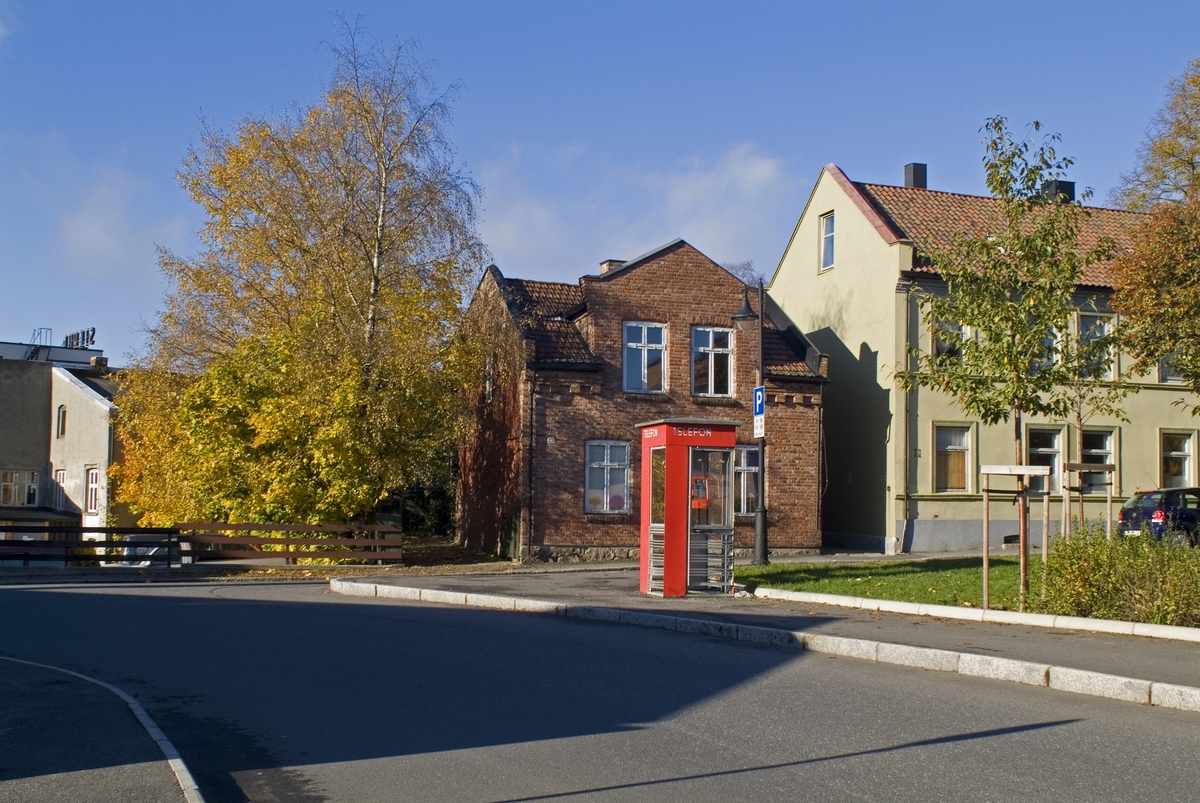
(1108,515)
(760,512)
(1045,534)
(1066,511)
(986,538)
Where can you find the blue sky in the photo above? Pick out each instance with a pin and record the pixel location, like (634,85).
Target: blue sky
(597,129)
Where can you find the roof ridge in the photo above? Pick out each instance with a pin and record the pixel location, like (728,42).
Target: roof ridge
(979,197)
(540,281)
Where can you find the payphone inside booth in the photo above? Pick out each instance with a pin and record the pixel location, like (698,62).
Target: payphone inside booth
(687,505)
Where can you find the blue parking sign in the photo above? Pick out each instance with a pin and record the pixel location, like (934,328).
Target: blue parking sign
(760,400)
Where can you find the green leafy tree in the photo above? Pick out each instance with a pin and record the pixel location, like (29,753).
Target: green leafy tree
(1168,160)
(1008,292)
(1093,381)
(306,361)
(1158,291)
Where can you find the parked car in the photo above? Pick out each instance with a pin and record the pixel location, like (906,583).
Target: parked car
(1172,512)
(152,549)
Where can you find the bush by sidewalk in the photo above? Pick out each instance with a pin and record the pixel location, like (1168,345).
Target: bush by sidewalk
(1131,578)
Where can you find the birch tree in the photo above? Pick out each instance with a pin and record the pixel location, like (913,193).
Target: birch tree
(310,344)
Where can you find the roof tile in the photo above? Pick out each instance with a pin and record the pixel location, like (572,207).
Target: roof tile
(932,219)
(541,305)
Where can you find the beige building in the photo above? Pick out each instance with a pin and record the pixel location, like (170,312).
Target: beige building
(903,468)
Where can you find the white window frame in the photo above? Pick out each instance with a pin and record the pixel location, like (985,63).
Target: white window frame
(1108,456)
(608,464)
(641,349)
(93,491)
(938,347)
(826,253)
(968,456)
(744,475)
(1051,343)
(1188,454)
(713,352)
(60,490)
(60,422)
(1106,321)
(1168,375)
(1035,483)
(17,488)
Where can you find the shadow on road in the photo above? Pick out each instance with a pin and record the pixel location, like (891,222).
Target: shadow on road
(959,737)
(248,687)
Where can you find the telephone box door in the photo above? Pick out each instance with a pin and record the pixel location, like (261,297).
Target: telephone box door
(710,530)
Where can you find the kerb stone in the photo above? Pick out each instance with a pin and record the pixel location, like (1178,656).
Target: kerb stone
(1168,695)
(352,588)
(989,666)
(1098,684)
(397,592)
(919,657)
(840,645)
(491,601)
(443,597)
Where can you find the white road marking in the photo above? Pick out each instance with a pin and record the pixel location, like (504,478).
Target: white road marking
(191,792)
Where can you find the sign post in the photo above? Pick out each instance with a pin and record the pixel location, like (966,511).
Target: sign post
(760,412)
(1021,471)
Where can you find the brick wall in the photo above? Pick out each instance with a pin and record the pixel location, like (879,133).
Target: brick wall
(680,287)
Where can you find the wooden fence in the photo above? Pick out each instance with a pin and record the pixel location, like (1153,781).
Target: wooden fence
(196,543)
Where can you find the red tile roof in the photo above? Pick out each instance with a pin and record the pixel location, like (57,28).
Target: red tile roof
(543,309)
(541,306)
(931,219)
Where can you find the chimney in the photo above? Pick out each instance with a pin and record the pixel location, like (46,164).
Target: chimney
(1059,190)
(914,176)
(610,264)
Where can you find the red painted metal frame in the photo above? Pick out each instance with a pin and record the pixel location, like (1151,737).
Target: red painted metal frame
(677,436)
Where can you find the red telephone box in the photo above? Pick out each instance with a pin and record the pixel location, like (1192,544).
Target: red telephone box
(687,505)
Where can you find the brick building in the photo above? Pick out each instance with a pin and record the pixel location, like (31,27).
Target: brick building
(551,467)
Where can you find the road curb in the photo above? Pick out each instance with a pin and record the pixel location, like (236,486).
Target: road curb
(1169,632)
(1077,681)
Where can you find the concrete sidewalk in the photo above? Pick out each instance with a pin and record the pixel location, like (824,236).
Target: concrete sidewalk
(1151,659)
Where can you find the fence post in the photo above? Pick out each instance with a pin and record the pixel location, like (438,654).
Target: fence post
(986,538)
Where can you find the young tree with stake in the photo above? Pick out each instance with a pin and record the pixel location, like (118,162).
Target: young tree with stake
(1008,292)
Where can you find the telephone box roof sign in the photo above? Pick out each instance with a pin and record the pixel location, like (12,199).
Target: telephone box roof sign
(689,431)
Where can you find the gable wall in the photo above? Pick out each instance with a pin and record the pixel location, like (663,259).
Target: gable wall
(86,445)
(527,453)
(681,288)
(849,312)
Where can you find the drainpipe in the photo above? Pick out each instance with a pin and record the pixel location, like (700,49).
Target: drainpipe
(898,546)
(527,550)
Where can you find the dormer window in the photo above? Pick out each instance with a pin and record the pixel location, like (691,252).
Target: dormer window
(826,222)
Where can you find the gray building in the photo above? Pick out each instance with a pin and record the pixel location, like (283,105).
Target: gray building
(56,435)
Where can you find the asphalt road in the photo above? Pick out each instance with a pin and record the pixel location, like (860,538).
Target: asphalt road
(287,692)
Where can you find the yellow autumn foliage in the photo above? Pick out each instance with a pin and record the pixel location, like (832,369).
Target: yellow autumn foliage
(306,360)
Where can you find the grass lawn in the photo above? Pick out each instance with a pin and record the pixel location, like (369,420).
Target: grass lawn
(950,581)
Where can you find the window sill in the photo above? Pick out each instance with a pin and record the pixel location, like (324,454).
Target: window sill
(717,401)
(608,518)
(659,398)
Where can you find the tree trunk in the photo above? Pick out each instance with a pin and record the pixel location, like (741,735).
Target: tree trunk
(1022,510)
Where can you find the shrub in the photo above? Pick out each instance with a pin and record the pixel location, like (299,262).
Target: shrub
(1132,578)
